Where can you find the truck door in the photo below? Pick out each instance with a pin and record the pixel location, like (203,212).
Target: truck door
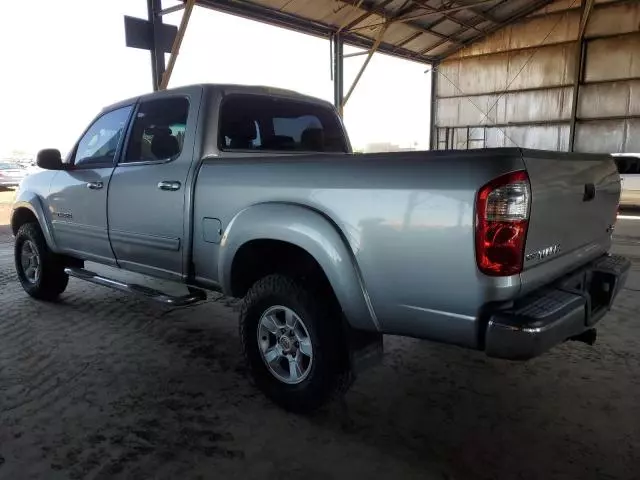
(78,194)
(148,189)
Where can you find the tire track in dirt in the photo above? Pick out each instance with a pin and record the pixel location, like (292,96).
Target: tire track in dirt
(41,394)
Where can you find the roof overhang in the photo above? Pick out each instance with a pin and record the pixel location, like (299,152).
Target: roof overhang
(422,31)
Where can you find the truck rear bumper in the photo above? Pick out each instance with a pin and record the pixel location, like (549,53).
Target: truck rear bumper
(553,314)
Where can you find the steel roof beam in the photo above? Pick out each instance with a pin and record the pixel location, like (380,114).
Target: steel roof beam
(480,13)
(368,12)
(442,11)
(477,20)
(408,39)
(379,10)
(446,16)
(167,11)
(520,14)
(523,12)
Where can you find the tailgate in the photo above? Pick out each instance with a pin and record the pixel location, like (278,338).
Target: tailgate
(574,207)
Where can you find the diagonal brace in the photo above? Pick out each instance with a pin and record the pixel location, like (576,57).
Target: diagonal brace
(373,50)
(177,42)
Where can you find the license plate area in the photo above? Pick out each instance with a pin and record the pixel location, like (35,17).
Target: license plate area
(600,288)
(597,288)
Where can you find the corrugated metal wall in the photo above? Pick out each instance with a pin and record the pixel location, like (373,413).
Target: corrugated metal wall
(517,86)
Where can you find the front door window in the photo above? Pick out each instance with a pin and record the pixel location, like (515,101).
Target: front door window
(98,146)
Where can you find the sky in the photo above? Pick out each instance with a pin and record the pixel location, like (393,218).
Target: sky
(63,60)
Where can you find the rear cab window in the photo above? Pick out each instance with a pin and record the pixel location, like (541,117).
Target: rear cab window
(274,124)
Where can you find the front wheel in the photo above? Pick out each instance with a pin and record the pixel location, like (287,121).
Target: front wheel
(40,271)
(293,344)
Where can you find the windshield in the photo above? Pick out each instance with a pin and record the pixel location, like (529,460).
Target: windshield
(266,123)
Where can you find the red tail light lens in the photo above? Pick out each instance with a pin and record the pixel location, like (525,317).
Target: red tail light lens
(502,219)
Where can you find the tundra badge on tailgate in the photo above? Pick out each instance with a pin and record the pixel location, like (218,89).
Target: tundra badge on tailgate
(543,253)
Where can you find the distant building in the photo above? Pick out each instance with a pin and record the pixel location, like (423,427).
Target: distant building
(378,147)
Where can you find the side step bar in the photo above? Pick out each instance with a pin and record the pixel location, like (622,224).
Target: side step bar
(195,295)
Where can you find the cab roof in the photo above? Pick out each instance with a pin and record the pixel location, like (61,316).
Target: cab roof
(220,88)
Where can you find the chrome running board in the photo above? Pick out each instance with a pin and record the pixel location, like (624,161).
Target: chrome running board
(194,296)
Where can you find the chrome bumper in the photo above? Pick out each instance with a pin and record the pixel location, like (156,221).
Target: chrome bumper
(556,313)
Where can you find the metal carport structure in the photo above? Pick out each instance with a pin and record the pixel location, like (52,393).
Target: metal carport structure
(566,77)
(485,53)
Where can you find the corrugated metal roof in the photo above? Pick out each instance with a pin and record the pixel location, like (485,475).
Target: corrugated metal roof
(420,30)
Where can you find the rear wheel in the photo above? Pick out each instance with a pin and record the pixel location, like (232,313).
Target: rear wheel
(293,344)
(40,271)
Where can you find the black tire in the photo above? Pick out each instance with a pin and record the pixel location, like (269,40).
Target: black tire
(329,372)
(52,280)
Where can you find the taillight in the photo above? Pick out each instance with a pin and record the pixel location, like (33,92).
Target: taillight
(502,219)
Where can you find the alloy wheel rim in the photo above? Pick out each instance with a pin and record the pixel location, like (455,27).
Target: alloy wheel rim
(30,261)
(285,344)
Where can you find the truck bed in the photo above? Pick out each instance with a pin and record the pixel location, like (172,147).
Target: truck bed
(408,219)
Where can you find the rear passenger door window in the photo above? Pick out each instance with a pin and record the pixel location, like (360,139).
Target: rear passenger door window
(158,131)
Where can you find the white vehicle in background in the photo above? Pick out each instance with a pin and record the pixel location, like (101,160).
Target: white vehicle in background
(629,167)
(11,174)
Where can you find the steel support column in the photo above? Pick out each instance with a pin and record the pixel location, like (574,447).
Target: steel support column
(578,73)
(338,70)
(581,44)
(433,136)
(154,7)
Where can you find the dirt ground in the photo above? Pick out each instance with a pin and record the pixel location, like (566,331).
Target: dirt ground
(104,385)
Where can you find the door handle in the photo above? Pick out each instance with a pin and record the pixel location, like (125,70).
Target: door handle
(95,185)
(169,186)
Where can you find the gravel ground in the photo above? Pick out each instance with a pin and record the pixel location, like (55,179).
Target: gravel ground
(104,385)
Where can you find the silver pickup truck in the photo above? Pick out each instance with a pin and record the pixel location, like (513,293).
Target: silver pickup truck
(254,192)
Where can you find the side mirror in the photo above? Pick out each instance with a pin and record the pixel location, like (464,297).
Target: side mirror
(49,159)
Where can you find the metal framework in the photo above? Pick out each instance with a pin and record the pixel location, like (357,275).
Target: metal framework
(177,42)
(425,31)
(579,71)
(337,72)
(157,54)
(590,26)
